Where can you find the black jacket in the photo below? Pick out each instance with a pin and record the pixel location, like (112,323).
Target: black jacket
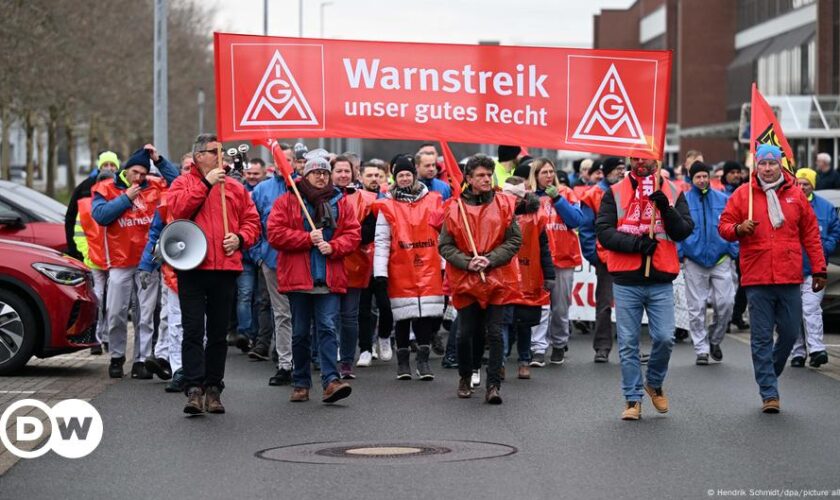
(81,191)
(828,180)
(678,226)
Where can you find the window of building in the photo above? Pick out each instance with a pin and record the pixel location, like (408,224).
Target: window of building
(788,72)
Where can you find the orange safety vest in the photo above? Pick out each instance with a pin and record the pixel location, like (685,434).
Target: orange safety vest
(592,198)
(126,237)
(170,279)
(530,268)
(359,264)
(665,258)
(414,262)
(488,223)
(563,242)
(94,233)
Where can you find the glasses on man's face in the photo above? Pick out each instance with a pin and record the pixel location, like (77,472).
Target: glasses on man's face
(320,173)
(213,152)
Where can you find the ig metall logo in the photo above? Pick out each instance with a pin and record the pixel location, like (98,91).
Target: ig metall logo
(75,428)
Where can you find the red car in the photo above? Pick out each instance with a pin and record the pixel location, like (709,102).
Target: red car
(30,216)
(47,304)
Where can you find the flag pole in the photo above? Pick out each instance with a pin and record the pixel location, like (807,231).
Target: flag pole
(282,162)
(652,217)
(222,188)
(470,235)
(751,162)
(293,185)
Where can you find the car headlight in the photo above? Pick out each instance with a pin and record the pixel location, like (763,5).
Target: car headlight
(63,275)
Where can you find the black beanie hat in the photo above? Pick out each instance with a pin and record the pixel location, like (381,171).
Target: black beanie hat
(507,153)
(523,171)
(596,166)
(562,177)
(729,166)
(698,167)
(140,157)
(403,162)
(611,164)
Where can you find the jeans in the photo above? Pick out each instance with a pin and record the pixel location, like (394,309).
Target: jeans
(778,306)
(204,296)
(262,305)
(476,324)
(452,341)
(349,325)
(631,302)
(323,310)
(245,284)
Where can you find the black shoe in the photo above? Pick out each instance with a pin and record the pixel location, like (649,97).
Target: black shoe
(115,370)
(702,359)
(716,353)
(680,335)
(159,367)
(438,346)
(797,362)
(139,371)
(558,356)
(818,358)
(282,377)
(259,353)
(242,342)
(537,359)
(602,356)
(96,350)
(177,382)
(231,339)
(740,324)
(403,365)
(449,362)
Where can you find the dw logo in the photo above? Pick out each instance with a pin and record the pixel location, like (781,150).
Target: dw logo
(75,428)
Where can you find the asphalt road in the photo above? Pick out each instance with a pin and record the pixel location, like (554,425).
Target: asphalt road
(564,424)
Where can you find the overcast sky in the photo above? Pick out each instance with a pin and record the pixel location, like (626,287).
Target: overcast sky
(518,22)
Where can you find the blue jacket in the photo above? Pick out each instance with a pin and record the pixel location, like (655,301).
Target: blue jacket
(147,261)
(586,230)
(105,212)
(705,246)
(570,214)
(438,186)
(264,195)
(829,229)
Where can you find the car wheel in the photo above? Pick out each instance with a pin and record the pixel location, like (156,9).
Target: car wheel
(17,332)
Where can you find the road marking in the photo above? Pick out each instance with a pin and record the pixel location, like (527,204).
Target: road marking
(17,392)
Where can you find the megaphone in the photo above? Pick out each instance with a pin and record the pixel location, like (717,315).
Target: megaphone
(183,245)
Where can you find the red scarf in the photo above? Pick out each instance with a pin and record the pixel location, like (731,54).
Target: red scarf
(640,210)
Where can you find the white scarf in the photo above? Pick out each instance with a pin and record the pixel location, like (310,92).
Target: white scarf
(774,208)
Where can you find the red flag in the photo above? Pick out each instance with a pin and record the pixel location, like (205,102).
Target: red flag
(450,165)
(765,129)
(279,157)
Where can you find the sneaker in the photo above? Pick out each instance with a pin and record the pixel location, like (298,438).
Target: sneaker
(702,359)
(231,339)
(602,356)
(716,353)
(658,398)
(632,410)
(345,370)
(176,384)
(241,342)
(213,400)
(538,359)
(115,370)
(335,391)
(195,401)
(797,362)
(524,371)
(818,358)
(385,353)
(492,396)
(449,362)
(299,395)
(139,371)
(771,406)
(475,380)
(365,359)
(740,324)
(374,354)
(282,377)
(644,357)
(96,350)
(464,387)
(159,367)
(558,355)
(259,353)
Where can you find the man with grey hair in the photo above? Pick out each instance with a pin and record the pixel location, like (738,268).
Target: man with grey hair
(827,176)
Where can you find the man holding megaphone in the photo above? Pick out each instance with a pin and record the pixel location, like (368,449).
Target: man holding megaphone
(229,220)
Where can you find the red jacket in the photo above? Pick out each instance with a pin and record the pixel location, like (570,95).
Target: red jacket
(192,195)
(773,256)
(286,233)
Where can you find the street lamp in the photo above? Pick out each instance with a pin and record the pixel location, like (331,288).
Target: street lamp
(323,4)
(200,111)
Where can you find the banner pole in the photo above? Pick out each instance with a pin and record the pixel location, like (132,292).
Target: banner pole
(293,185)
(751,161)
(222,188)
(652,217)
(469,235)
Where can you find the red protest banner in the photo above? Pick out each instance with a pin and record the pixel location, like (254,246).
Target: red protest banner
(765,128)
(609,101)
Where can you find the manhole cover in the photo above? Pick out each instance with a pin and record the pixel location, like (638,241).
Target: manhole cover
(389,453)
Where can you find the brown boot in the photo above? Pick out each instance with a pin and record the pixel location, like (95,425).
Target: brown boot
(771,406)
(632,410)
(658,398)
(465,387)
(299,395)
(213,400)
(524,371)
(492,396)
(336,390)
(195,401)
